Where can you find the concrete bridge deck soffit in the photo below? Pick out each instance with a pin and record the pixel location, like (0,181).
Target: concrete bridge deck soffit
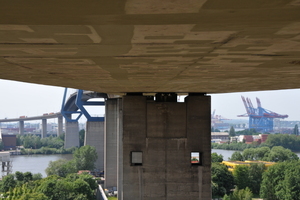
(117,46)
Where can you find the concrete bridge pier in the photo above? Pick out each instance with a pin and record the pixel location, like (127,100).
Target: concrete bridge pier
(112,110)
(60,125)
(44,128)
(21,127)
(94,136)
(165,148)
(72,134)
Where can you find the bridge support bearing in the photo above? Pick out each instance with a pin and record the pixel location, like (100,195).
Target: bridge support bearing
(157,144)
(112,110)
(71,135)
(94,136)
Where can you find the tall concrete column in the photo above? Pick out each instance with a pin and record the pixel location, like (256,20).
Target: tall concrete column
(60,125)
(159,140)
(110,144)
(71,135)
(44,128)
(21,127)
(94,136)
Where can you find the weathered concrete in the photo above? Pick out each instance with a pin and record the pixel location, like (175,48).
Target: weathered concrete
(60,125)
(72,134)
(94,136)
(21,127)
(210,46)
(110,144)
(44,128)
(166,133)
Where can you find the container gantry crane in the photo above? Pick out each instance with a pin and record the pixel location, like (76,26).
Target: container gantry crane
(260,119)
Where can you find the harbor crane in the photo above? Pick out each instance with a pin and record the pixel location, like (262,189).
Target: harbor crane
(260,118)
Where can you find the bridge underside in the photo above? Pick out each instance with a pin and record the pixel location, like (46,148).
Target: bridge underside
(171,46)
(133,46)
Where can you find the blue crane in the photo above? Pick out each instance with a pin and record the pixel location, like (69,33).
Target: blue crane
(260,119)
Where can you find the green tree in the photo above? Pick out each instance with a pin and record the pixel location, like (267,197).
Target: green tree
(231,132)
(27,176)
(236,156)
(81,137)
(60,168)
(37,176)
(216,157)
(243,194)
(85,158)
(19,176)
(282,181)
(255,177)
(222,180)
(271,181)
(280,154)
(8,182)
(241,176)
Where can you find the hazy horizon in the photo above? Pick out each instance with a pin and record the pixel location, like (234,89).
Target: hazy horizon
(28,99)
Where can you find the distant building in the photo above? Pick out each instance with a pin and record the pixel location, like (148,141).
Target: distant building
(9,141)
(249,139)
(220,135)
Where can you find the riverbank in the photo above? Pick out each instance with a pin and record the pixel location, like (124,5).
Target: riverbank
(43,150)
(35,163)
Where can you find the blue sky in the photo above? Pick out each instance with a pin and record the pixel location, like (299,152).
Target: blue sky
(20,98)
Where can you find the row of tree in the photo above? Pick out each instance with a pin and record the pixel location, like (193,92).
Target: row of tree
(62,182)
(274,154)
(25,186)
(84,158)
(255,178)
(243,177)
(36,142)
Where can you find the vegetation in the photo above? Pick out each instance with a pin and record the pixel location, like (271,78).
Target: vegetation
(251,131)
(296,130)
(216,157)
(279,181)
(83,159)
(222,180)
(23,186)
(36,142)
(282,181)
(112,198)
(231,132)
(276,154)
(81,137)
(45,150)
(243,194)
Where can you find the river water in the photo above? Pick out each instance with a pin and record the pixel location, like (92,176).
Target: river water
(38,163)
(35,163)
